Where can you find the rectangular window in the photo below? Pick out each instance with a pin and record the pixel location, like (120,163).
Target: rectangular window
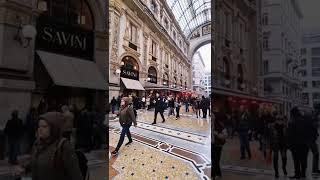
(303,51)
(315,62)
(305,84)
(315,95)
(316,72)
(315,51)
(133,33)
(265,20)
(303,62)
(154,49)
(265,43)
(265,66)
(303,73)
(316,84)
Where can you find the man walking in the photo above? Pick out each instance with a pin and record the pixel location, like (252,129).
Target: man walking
(14,130)
(159,108)
(243,131)
(204,106)
(113,104)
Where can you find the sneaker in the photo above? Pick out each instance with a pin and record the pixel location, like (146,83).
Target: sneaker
(128,143)
(153,123)
(114,152)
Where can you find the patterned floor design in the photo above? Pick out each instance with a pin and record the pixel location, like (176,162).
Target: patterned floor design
(153,160)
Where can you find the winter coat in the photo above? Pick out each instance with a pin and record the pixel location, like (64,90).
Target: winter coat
(127,116)
(46,165)
(14,129)
(160,104)
(68,121)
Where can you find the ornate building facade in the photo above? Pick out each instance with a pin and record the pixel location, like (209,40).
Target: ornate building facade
(236,66)
(147,47)
(40,44)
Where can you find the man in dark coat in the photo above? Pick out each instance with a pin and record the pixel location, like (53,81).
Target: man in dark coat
(299,140)
(159,108)
(113,104)
(14,132)
(204,106)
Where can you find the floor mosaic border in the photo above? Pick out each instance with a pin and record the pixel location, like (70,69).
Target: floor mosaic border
(198,161)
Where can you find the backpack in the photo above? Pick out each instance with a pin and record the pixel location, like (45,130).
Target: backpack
(82,160)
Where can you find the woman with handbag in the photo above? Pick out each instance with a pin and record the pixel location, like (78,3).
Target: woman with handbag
(220,135)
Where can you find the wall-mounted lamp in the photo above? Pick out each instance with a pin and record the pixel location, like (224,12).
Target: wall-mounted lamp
(117,72)
(148,79)
(42,5)
(25,35)
(122,63)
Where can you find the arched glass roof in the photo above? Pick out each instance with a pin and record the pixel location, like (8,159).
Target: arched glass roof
(190,13)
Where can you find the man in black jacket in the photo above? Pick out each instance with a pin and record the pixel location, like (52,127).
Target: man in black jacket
(299,140)
(159,108)
(13,131)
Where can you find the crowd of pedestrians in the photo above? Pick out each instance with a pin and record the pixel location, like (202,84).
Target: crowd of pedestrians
(49,130)
(276,135)
(129,104)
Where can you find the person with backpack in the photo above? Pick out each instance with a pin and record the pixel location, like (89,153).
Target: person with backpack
(126,118)
(52,156)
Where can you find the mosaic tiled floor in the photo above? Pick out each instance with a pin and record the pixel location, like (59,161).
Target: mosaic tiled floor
(152,159)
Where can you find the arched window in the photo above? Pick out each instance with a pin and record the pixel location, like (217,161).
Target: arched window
(152,75)
(130,63)
(129,68)
(70,12)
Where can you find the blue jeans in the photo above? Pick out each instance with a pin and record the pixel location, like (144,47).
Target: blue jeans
(113,108)
(187,107)
(125,131)
(244,144)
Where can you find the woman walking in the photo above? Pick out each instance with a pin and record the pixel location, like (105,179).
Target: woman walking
(196,106)
(177,105)
(126,118)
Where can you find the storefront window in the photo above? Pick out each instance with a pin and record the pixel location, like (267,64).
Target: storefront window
(70,12)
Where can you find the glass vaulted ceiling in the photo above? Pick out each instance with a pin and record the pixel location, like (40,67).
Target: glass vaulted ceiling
(190,13)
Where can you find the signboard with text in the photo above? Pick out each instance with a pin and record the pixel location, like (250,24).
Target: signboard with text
(64,39)
(129,73)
